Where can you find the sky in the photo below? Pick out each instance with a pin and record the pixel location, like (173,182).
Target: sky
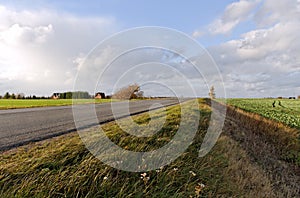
(254,44)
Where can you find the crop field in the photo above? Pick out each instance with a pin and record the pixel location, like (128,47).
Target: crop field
(28,103)
(282,110)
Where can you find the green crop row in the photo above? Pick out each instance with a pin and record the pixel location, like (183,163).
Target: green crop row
(281,110)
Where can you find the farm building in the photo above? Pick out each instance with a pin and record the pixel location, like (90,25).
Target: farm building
(100,95)
(55,96)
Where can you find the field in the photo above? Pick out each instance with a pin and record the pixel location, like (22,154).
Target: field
(63,167)
(284,110)
(28,103)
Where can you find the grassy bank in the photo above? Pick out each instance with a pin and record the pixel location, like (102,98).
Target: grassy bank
(275,120)
(62,167)
(28,103)
(273,146)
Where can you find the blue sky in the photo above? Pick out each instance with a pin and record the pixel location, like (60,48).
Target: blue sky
(254,42)
(179,15)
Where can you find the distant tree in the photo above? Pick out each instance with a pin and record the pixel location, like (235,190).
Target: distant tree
(6,95)
(34,97)
(129,92)
(20,96)
(69,95)
(0,97)
(79,95)
(299,97)
(63,96)
(212,93)
(13,96)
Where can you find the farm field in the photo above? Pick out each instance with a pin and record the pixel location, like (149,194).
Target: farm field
(28,103)
(284,110)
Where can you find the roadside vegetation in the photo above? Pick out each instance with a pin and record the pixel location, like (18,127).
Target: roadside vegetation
(275,122)
(271,144)
(63,167)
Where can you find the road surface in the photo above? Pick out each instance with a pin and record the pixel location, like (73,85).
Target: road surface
(22,126)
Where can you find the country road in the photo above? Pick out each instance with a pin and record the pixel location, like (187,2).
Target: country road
(22,126)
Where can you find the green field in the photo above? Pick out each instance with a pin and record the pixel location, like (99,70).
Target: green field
(28,103)
(285,111)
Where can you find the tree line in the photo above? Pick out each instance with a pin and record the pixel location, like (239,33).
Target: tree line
(64,95)
(75,95)
(8,95)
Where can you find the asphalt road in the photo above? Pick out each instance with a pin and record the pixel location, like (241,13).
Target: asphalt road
(22,126)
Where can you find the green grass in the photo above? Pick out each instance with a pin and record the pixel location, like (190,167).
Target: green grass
(63,167)
(288,112)
(14,104)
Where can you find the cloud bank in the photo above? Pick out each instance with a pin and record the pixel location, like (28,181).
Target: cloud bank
(40,50)
(264,61)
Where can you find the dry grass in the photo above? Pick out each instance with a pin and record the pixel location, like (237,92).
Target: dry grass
(285,140)
(251,179)
(273,146)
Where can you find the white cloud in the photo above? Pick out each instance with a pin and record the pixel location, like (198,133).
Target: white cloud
(281,11)
(233,15)
(264,61)
(198,33)
(38,48)
(17,34)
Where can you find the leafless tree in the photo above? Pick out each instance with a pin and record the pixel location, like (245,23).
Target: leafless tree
(129,92)
(212,93)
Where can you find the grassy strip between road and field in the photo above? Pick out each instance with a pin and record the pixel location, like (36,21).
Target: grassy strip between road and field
(258,117)
(63,167)
(29,103)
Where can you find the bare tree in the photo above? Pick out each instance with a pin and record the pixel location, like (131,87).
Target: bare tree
(212,93)
(129,92)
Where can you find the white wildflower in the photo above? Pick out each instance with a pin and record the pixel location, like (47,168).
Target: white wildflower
(144,174)
(194,174)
